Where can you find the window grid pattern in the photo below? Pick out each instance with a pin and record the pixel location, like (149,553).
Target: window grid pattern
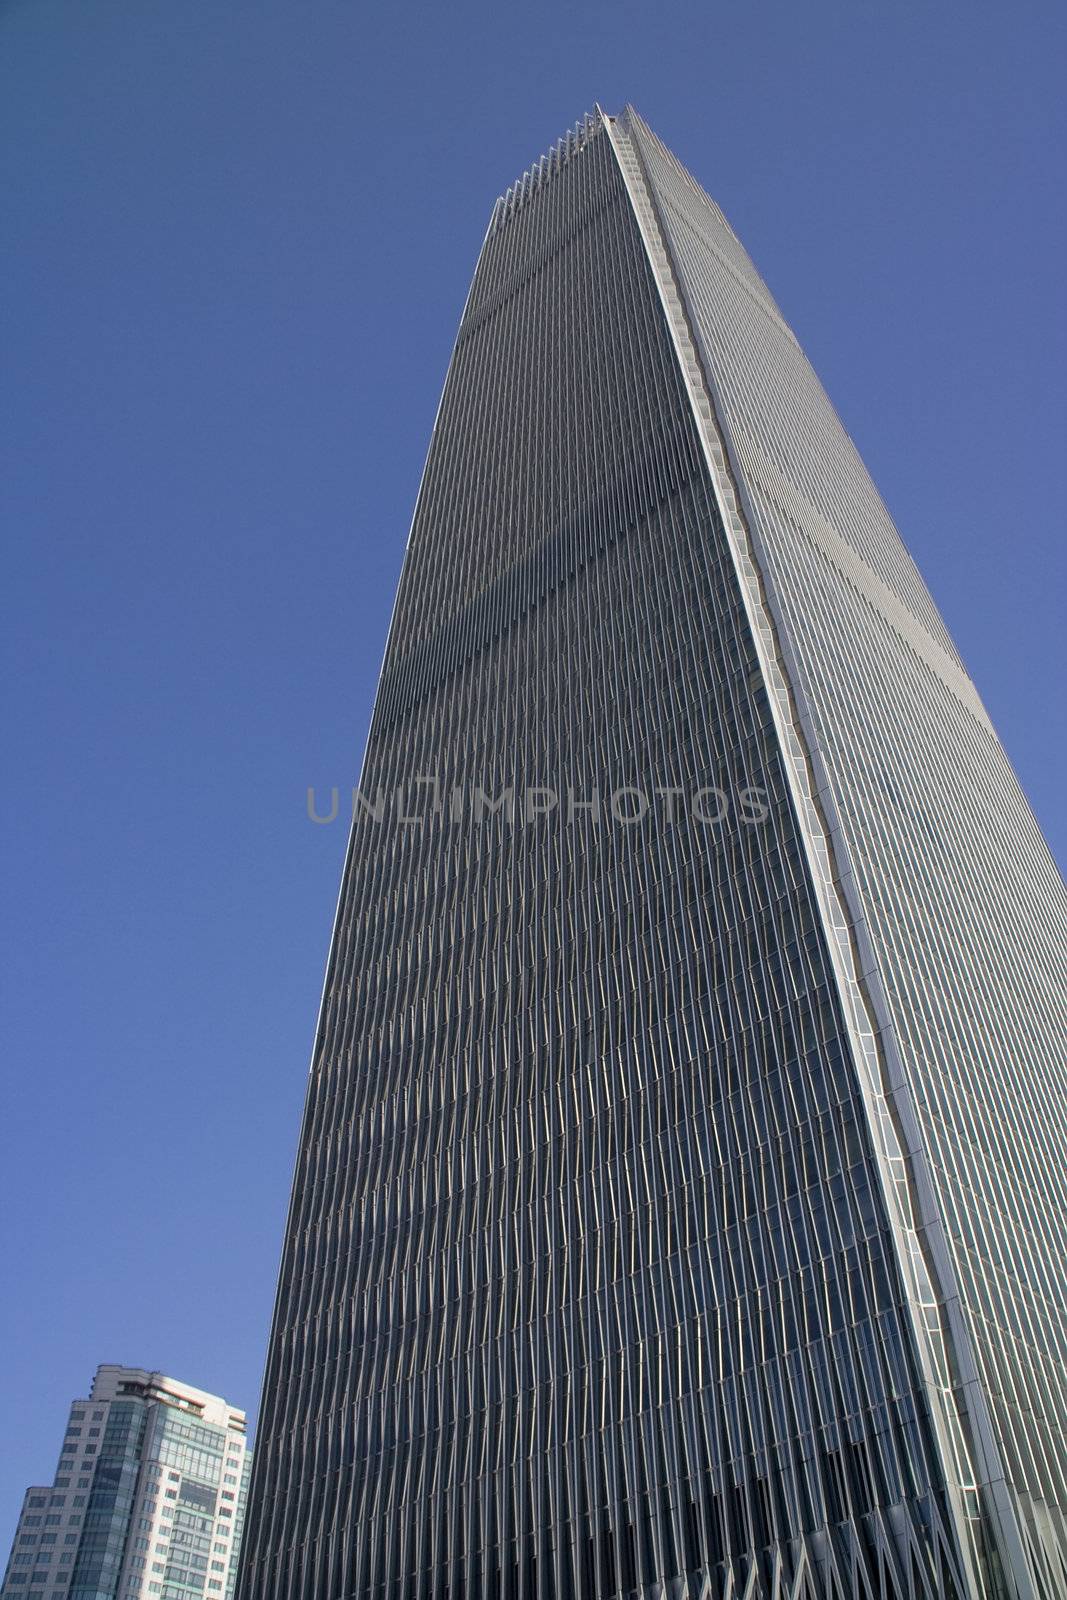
(953,887)
(588,1287)
(129,1515)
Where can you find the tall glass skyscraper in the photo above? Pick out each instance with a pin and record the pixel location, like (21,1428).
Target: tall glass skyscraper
(681,1201)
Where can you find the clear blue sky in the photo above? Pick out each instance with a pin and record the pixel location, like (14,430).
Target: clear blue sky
(237,242)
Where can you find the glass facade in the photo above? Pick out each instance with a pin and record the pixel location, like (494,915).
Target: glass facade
(109,1511)
(148,1499)
(618,1260)
(949,892)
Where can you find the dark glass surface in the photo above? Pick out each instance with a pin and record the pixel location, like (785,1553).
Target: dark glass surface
(587,1284)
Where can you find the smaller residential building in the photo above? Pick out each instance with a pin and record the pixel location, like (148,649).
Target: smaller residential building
(147,1500)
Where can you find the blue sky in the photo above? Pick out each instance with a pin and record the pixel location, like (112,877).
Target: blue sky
(237,242)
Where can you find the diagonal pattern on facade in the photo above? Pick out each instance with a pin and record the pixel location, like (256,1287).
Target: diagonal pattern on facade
(666,1217)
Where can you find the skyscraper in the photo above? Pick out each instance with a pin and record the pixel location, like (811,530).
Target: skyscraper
(148,1498)
(680,1201)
